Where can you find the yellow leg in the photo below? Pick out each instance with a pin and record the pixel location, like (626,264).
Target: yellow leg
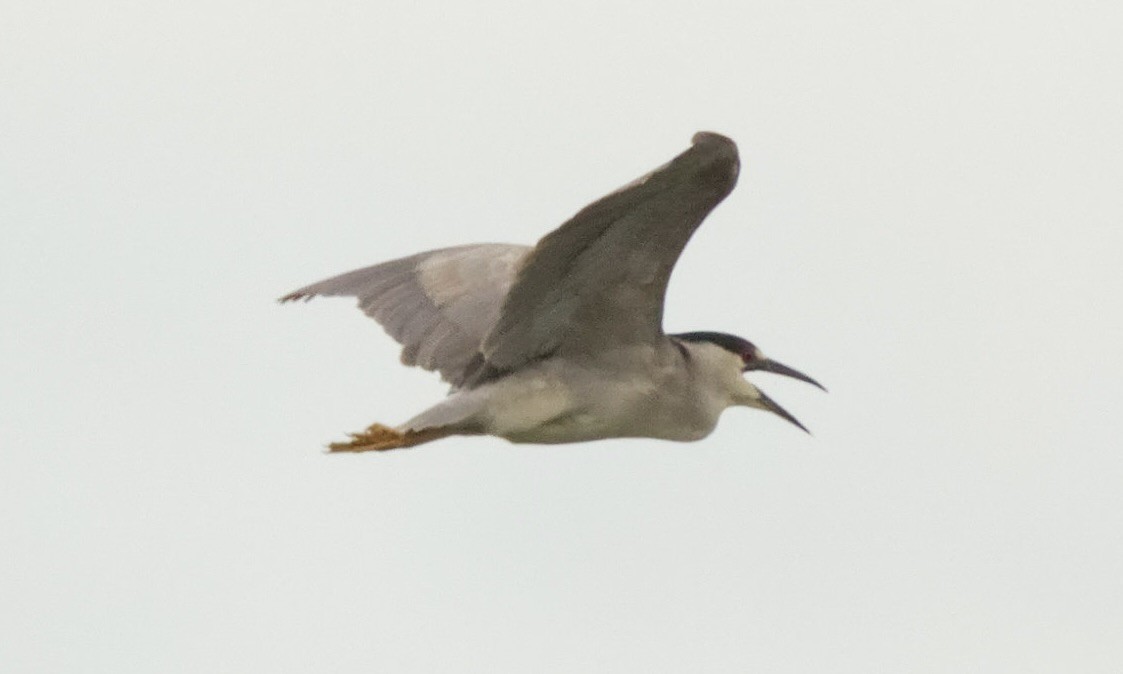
(379,438)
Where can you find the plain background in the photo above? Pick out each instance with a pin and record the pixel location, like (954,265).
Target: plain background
(928,221)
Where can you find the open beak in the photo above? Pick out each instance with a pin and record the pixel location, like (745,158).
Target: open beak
(779,368)
(770,405)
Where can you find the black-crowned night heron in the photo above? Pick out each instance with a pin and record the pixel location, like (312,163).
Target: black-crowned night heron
(564,342)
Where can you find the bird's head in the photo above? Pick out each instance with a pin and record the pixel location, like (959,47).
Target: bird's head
(751,358)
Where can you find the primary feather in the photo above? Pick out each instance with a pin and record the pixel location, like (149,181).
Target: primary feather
(439,305)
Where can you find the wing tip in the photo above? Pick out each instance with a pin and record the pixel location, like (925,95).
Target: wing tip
(712,138)
(717,144)
(719,155)
(296,295)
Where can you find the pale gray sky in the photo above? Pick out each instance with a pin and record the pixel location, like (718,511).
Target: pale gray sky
(928,221)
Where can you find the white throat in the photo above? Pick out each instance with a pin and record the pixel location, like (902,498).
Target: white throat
(719,375)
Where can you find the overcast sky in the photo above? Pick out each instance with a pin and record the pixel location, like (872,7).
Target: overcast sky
(928,221)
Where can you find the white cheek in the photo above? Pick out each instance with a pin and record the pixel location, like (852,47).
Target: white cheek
(746,389)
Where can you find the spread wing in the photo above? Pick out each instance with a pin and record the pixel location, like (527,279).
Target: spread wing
(438,305)
(599,280)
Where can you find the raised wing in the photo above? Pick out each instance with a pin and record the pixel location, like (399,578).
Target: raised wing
(438,305)
(599,280)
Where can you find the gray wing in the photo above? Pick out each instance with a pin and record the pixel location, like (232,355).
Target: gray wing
(438,305)
(599,280)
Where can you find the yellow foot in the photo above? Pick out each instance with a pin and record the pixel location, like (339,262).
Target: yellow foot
(378,438)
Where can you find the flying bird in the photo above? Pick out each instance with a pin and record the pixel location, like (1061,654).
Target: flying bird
(563,341)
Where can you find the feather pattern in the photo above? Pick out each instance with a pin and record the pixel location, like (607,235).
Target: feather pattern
(438,305)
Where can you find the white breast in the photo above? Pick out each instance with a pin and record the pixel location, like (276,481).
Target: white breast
(560,402)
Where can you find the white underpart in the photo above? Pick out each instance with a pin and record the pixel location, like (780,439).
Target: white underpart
(636,392)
